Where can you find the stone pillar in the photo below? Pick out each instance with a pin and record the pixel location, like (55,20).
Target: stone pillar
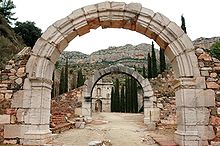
(37,118)
(87,108)
(193,127)
(148,113)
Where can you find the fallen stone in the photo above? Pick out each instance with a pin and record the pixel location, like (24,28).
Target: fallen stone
(95,143)
(212,85)
(80,125)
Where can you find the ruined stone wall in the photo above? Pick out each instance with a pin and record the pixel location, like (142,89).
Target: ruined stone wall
(210,69)
(11,81)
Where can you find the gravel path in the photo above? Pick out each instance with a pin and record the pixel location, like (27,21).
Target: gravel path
(122,129)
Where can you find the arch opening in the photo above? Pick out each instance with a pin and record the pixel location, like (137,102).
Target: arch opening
(177,45)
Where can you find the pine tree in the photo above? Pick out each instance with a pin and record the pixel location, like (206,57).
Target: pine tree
(162,61)
(144,71)
(183,25)
(62,82)
(122,99)
(80,79)
(66,76)
(117,101)
(149,68)
(154,62)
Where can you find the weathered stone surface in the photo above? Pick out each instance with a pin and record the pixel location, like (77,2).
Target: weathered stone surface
(13,131)
(205,98)
(212,85)
(205,57)
(4,119)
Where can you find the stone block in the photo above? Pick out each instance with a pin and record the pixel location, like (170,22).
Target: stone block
(17,99)
(186,116)
(186,98)
(80,125)
(205,98)
(206,132)
(4,119)
(133,7)
(200,83)
(13,131)
(203,115)
(204,73)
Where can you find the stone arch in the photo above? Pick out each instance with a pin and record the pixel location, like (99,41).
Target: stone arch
(178,48)
(119,68)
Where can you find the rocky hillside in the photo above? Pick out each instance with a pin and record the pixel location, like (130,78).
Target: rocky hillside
(206,43)
(128,55)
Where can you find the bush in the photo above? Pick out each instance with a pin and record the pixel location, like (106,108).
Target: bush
(215,50)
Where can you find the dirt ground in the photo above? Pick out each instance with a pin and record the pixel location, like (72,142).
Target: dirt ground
(122,129)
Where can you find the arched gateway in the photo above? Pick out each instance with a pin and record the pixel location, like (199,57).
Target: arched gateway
(192,122)
(144,83)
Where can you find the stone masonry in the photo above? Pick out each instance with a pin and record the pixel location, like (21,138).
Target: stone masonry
(33,98)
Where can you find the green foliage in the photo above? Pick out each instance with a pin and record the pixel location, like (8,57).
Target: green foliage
(7,49)
(162,61)
(28,31)
(6,7)
(80,79)
(215,50)
(154,62)
(149,68)
(183,25)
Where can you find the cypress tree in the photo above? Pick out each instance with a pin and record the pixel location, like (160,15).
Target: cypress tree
(128,95)
(154,62)
(80,80)
(62,82)
(132,94)
(112,100)
(117,101)
(66,76)
(149,68)
(162,61)
(135,102)
(144,71)
(122,99)
(183,25)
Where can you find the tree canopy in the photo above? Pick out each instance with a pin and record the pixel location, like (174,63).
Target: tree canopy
(28,31)
(6,7)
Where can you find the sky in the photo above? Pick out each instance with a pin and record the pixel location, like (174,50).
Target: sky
(202,20)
